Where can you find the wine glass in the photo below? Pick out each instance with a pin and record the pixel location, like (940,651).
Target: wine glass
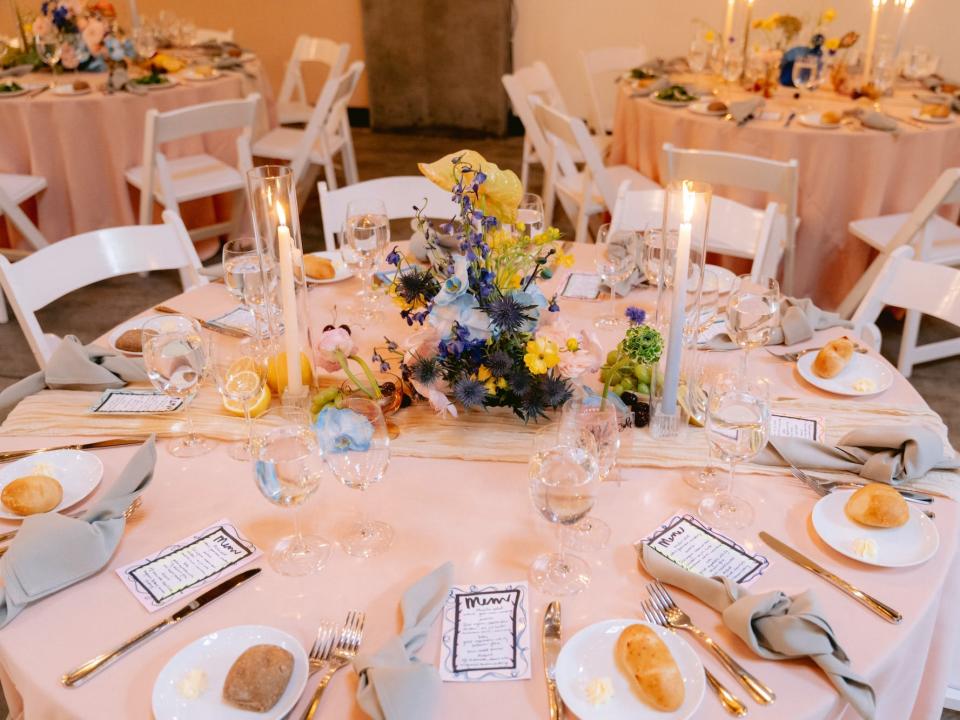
(652,258)
(697,56)
(616,262)
(752,310)
(530,213)
(48,47)
(355,444)
(175,361)
(366,234)
(238,368)
(144,42)
(732,65)
(805,72)
(288,469)
(564,475)
(738,423)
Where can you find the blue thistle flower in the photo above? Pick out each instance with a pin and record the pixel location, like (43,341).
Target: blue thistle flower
(556,391)
(469,393)
(425,370)
(508,315)
(499,363)
(636,315)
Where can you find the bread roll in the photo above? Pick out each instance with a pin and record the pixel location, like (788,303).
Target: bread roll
(318,268)
(935,110)
(878,505)
(131,341)
(830,118)
(833,358)
(643,656)
(32,494)
(257,678)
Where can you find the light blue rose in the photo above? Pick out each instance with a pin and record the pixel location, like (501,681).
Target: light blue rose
(464,311)
(532,296)
(455,285)
(114,48)
(341,429)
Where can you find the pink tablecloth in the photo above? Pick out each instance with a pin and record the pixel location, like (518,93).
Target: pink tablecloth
(478,515)
(82,145)
(844,175)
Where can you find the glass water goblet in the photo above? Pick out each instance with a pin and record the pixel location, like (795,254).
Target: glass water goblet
(738,423)
(806,72)
(175,361)
(732,65)
(698,55)
(530,213)
(238,368)
(49,48)
(144,42)
(355,444)
(287,470)
(366,235)
(615,264)
(753,309)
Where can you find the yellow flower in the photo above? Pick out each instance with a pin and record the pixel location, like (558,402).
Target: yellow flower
(486,377)
(709,36)
(541,355)
(564,259)
(500,194)
(758,23)
(829,15)
(832,44)
(572,344)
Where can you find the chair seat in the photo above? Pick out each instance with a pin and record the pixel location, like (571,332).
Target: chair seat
(21,187)
(291,112)
(282,143)
(878,232)
(573,185)
(194,176)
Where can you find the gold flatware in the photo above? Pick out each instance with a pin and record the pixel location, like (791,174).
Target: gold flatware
(9,455)
(232,332)
(551,643)
(130,510)
(322,647)
(871,603)
(348,643)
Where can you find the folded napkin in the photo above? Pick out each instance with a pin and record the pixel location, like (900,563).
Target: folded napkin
(888,454)
(875,120)
(742,109)
(799,318)
(73,366)
(394,684)
(420,248)
(774,625)
(618,248)
(52,551)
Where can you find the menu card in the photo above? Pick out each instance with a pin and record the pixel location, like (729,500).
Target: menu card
(135,402)
(796,427)
(582,286)
(689,543)
(485,633)
(188,565)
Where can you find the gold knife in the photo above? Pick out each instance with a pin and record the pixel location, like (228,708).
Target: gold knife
(8,455)
(551,644)
(871,603)
(232,332)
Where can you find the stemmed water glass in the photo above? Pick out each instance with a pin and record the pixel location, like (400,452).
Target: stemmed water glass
(49,47)
(752,311)
(238,367)
(144,42)
(250,278)
(175,360)
(738,423)
(615,263)
(366,235)
(732,65)
(564,476)
(806,72)
(698,55)
(530,213)
(355,444)
(287,470)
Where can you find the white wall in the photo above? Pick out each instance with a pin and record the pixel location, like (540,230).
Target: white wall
(556,30)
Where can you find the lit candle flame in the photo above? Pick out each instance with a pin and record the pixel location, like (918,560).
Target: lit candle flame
(688,201)
(281,214)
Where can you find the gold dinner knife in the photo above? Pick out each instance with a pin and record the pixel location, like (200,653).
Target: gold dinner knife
(871,603)
(116,442)
(222,329)
(552,643)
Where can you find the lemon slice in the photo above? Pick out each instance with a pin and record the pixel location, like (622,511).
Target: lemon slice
(258,408)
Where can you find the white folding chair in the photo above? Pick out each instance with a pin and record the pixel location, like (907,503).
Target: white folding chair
(922,288)
(203,35)
(581,192)
(292,104)
(736,230)
(399,195)
(934,238)
(327,134)
(602,66)
(52,272)
(14,190)
(171,182)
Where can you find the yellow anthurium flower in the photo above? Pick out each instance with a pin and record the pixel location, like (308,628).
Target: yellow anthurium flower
(499,195)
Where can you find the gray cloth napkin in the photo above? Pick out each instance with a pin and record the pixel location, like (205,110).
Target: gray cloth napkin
(799,318)
(876,120)
(774,625)
(420,249)
(617,248)
(52,551)
(394,684)
(888,454)
(742,109)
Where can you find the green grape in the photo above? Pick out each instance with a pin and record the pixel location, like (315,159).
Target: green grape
(628,383)
(612,357)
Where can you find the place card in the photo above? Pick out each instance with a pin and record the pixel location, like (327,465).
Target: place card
(188,565)
(689,543)
(582,286)
(796,427)
(486,634)
(135,402)
(240,318)
(770,115)
(715,328)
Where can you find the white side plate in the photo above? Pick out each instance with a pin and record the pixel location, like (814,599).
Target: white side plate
(78,473)
(860,367)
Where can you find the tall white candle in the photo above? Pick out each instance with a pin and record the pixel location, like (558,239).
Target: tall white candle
(671,376)
(728,23)
(872,39)
(907,5)
(288,298)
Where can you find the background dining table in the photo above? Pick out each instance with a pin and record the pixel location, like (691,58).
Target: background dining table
(845,174)
(478,515)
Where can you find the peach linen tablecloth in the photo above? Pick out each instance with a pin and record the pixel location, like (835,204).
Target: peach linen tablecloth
(844,174)
(478,515)
(83,145)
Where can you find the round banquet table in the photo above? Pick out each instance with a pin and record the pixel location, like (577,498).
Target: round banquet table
(845,174)
(479,515)
(83,145)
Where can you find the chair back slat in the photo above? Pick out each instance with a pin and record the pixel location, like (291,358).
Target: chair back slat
(311,49)
(601,66)
(205,118)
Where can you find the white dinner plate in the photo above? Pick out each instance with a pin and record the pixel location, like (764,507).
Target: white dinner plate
(726,278)
(813,120)
(339,267)
(917,115)
(702,108)
(134,324)
(78,473)
(910,544)
(670,103)
(194,76)
(26,88)
(214,654)
(590,654)
(66,90)
(860,367)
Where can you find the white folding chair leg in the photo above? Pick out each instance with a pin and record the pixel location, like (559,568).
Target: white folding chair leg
(908,342)
(236,213)
(857,292)
(349,156)
(4,317)
(330,173)
(549,198)
(581,235)
(525,163)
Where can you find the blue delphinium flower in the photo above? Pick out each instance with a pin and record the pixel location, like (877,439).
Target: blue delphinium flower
(553,307)
(469,392)
(114,48)
(636,315)
(342,429)
(393,257)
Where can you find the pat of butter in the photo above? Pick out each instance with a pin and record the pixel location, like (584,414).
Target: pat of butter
(865,385)
(599,690)
(865,548)
(192,685)
(42,468)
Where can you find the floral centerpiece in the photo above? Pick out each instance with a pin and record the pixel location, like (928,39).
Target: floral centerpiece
(487,335)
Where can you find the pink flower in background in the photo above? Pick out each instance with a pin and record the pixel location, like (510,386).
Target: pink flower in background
(93,35)
(580,351)
(68,56)
(438,401)
(422,344)
(332,341)
(42,25)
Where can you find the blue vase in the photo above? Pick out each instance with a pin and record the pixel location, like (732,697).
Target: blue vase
(786,63)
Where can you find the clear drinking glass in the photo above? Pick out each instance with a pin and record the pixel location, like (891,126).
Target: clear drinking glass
(752,311)
(144,42)
(650,256)
(564,477)
(698,55)
(356,446)
(175,360)
(806,72)
(732,65)
(238,368)
(616,262)
(366,235)
(49,48)
(738,420)
(530,213)
(288,469)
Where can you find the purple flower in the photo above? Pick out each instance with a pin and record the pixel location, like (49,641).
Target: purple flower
(393,257)
(636,315)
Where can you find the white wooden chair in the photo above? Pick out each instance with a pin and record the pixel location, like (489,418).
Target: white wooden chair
(934,238)
(171,182)
(52,272)
(737,230)
(602,66)
(14,190)
(326,135)
(399,195)
(581,192)
(203,35)
(922,288)
(292,104)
